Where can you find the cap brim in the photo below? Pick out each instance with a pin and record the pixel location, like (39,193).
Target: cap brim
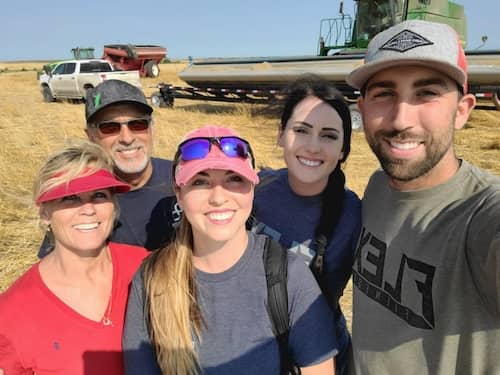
(96,181)
(360,76)
(240,166)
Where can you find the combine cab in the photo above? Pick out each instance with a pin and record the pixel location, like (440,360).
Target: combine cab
(83,53)
(344,35)
(144,58)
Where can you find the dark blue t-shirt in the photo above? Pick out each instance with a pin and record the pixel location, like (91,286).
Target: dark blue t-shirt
(292,219)
(148,214)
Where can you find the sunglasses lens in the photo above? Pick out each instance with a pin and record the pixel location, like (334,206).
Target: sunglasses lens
(233,147)
(138,125)
(109,127)
(114,127)
(195,149)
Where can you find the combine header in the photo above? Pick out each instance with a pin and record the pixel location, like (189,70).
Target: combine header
(341,47)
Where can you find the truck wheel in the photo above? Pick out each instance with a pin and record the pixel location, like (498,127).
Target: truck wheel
(356,119)
(152,69)
(157,100)
(496,100)
(47,94)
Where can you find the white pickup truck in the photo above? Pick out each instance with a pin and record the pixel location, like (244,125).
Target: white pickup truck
(72,78)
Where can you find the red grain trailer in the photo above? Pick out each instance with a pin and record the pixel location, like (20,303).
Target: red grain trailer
(144,58)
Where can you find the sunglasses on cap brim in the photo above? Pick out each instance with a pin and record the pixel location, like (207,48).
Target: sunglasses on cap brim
(199,147)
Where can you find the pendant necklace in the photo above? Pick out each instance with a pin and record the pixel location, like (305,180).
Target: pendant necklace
(106,320)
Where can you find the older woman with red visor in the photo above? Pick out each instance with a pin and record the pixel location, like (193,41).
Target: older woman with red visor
(65,314)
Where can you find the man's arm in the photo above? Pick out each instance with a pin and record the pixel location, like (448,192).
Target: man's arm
(483,249)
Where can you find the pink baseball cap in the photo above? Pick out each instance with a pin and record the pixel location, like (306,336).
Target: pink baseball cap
(414,42)
(215,159)
(100,179)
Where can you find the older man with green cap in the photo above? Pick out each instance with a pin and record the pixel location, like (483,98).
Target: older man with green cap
(119,119)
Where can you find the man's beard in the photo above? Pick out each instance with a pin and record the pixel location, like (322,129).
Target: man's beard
(126,166)
(410,169)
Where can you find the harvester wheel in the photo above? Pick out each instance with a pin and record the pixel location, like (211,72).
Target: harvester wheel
(496,100)
(47,95)
(356,119)
(152,69)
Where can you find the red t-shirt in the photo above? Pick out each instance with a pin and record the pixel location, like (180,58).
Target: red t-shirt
(41,334)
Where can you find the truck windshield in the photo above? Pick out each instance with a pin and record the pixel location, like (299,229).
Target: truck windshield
(374,16)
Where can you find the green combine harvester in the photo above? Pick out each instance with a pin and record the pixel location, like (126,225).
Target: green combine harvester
(341,47)
(79,53)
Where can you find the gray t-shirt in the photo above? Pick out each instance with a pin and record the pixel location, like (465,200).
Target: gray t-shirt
(427,278)
(239,338)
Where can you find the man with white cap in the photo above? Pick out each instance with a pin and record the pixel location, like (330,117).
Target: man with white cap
(426,276)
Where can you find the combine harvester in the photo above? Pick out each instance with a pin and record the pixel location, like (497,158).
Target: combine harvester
(341,47)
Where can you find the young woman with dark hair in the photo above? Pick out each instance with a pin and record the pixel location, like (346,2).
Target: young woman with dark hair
(306,206)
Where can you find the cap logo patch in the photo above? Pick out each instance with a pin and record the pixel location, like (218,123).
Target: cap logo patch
(405,41)
(97,100)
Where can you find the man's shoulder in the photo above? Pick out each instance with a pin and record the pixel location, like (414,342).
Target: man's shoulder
(483,178)
(162,167)
(160,163)
(161,177)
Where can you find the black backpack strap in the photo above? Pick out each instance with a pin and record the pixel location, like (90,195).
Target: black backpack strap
(276,266)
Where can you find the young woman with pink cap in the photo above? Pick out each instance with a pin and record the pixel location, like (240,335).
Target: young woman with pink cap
(65,314)
(199,305)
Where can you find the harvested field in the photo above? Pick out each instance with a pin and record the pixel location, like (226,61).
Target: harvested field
(31,129)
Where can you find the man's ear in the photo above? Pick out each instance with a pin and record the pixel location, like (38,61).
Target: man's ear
(465,106)
(360,104)
(90,134)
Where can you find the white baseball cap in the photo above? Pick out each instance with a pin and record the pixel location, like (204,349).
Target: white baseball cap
(414,42)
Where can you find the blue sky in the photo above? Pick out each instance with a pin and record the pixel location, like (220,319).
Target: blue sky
(47,30)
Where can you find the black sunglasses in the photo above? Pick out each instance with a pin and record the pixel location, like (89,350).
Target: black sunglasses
(114,127)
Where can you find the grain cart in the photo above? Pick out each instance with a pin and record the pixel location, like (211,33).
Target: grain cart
(144,58)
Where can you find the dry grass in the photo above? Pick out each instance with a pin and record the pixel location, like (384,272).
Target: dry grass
(31,129)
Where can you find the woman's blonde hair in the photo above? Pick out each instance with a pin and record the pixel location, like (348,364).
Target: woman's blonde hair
(172,312)
(79,158)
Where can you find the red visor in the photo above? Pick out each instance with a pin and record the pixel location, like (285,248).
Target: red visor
(101,179)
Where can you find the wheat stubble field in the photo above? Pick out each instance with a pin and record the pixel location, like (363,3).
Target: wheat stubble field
(31,129)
